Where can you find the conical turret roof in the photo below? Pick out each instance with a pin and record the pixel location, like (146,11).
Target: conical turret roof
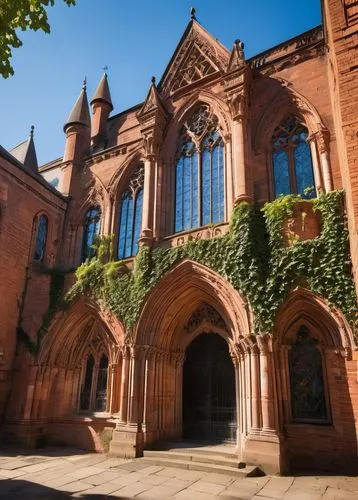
(102,92)
(80,112)
(25,153)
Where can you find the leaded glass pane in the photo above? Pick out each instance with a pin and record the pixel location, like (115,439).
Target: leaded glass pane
(304,170)
(195,191)
(137,221)
(129,229)
(217,185)
(41,236)
(179,195)
(206,187)
(126,200)
(92,226)
(187,193)
(306,379)
(281,173)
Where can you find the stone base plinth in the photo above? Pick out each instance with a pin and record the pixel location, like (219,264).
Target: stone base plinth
(266,451)
(127,442)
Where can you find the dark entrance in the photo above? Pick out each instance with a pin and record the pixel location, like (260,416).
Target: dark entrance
(209,406)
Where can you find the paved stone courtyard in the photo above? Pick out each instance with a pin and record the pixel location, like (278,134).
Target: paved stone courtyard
(67,473)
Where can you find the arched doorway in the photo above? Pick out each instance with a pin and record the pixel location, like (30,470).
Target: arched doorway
(209,406)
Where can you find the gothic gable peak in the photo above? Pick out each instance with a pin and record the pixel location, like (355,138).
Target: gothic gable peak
(153,102)
(237,57)
(197,56)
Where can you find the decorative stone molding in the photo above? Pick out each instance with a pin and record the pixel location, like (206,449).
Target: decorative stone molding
(204,313)
(202,234)
(304,224)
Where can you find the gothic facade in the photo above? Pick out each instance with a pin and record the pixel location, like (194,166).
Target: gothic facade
(186,360)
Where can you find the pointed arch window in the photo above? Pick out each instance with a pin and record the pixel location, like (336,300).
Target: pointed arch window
(131,215)
(199,173)
(93,394)
(41,237)
(291,160)
(91,230)
(307,381)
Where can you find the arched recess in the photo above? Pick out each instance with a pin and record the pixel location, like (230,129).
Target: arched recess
(190,300)
(289,102)
(220,110)
(313,357)
(76,334)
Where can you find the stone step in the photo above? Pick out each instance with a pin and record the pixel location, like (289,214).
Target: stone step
(190,455)
(248,471)
(211,450)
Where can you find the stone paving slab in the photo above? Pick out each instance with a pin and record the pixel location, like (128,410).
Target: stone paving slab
(65,473)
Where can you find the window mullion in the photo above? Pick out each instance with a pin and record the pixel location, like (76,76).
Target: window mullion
(291,163)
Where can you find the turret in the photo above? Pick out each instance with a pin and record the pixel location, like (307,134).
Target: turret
(78,130)
(101,107)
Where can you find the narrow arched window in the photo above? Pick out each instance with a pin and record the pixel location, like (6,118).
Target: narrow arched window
(91,230)
(199,173)
(41,237)
(101,391)
(291,160)
(308,396)
(131,216)
(85,396)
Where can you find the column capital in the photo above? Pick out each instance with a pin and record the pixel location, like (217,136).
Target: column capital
(322,138)
(264,343)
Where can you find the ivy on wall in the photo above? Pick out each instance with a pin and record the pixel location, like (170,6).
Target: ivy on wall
(253,257)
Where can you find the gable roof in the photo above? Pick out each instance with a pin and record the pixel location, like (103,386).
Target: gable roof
(197,56)
(25,153)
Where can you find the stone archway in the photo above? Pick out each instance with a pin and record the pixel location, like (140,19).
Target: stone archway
(209,399)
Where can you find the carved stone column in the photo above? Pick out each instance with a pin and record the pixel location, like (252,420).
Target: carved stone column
(322,141)
(123,408)
(316,166)
(255,391)
(146,236)
(149,418)
(268,416)
(229,176)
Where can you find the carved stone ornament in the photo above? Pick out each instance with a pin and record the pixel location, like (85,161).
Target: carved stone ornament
(204,313)
(196,58)
(305,224)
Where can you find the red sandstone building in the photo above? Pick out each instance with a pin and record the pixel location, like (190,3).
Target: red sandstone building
(171,347)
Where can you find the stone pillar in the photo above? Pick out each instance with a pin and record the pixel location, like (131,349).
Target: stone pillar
(107,225)
(316,167)
(322,140)
(242,189)
(229,176)
(236,363)
(265,448)
(123,407)
(148,200)
(255,391)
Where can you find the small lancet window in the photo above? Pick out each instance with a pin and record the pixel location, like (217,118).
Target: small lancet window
(91,230)
(199,173)
(41,237)
(131,216)
(101,392)
(291,160)
(85,396)
(308,396)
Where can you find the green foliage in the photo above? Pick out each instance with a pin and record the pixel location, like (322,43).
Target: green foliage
(23,15)
(57,279)
(252,257)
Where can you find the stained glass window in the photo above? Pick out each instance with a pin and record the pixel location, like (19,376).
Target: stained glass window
(308,399)
(41,236)
(91,230)
(199,175)
(291,159)
(131,216)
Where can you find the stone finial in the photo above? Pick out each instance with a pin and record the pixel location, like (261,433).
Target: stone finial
(32,128)
(192,13)
(153,80)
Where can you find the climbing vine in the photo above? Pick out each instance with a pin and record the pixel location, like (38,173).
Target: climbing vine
(253,257)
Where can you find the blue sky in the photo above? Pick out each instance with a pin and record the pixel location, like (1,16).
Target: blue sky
(135,39)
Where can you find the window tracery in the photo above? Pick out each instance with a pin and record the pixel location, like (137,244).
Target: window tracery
(93,394)
(291,160)
(131,215)
(92,228)
(199,179)
(308,397)
(41,237)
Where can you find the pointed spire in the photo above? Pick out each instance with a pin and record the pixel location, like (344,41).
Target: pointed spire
(102,92)
(25,153)
(153,100)
(80,113)
(237,56)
